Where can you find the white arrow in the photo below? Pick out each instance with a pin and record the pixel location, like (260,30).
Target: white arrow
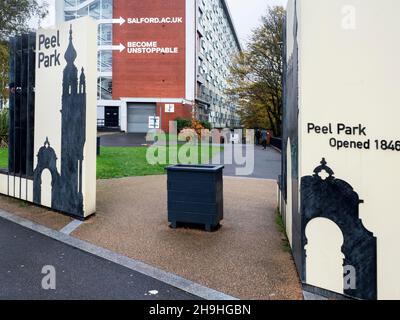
(119,47)
(119,21)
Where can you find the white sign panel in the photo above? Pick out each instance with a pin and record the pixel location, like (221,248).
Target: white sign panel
(169,108)
(343,145)
(65,117)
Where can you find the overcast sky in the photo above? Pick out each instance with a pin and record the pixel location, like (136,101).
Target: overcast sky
(246,14)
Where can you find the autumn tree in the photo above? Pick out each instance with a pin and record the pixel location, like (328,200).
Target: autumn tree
(255,81)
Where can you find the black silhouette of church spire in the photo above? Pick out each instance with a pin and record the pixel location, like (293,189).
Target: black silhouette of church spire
(70,79)
(73,130)
(67,195)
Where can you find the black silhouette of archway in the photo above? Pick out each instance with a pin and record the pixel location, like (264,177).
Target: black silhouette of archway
(324,196)
(47,159)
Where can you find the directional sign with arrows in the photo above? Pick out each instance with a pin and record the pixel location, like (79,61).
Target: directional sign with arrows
(119,47)
(149,41)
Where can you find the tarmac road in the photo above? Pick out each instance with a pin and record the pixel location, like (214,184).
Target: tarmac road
(79,275)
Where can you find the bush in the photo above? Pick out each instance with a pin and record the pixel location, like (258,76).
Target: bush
(4,128)
(206,125)
(183,123)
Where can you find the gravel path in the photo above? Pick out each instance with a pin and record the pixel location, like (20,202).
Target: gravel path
(245,258)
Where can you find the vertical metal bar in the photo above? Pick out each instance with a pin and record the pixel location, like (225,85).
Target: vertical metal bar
(28,101)
(30,110)
(23,109)
(17,108)
(31,106)
(12,106)
(11,123)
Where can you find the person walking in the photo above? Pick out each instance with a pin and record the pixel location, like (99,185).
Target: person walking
(264,136)
(258,136)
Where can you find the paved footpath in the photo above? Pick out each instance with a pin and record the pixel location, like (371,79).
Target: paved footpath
(267,164)
(79,275)
(123,140)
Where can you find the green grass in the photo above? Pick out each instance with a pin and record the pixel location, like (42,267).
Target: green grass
(3,158)
(281,227)
(118,162)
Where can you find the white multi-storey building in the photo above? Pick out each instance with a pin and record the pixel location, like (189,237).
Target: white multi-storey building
(217,44)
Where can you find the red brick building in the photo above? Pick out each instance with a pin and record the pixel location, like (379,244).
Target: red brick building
(163,59)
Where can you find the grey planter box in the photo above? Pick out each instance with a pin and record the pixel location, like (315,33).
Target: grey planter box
(195,195)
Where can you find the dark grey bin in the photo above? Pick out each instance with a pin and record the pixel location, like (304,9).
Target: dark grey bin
(195,195)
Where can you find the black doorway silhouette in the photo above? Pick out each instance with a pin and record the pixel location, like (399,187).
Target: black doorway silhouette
(324,196)
(47,159)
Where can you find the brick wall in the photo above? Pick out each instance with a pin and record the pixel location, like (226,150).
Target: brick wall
(151,74)
(181,111)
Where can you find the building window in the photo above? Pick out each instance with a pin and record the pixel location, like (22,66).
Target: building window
(105,34)
(104,91)
(83,12)
(198,89)
(70,3)
(106,9)
(199,41)
(201,23)
(200,69)
(70,15)
(105,61)
(94,10)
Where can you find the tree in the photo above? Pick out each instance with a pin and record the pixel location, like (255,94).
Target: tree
(3,128)
(253,115)
(16,14)
(14,19)
(255,81)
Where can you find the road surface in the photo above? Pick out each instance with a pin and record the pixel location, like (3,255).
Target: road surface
(79,275)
